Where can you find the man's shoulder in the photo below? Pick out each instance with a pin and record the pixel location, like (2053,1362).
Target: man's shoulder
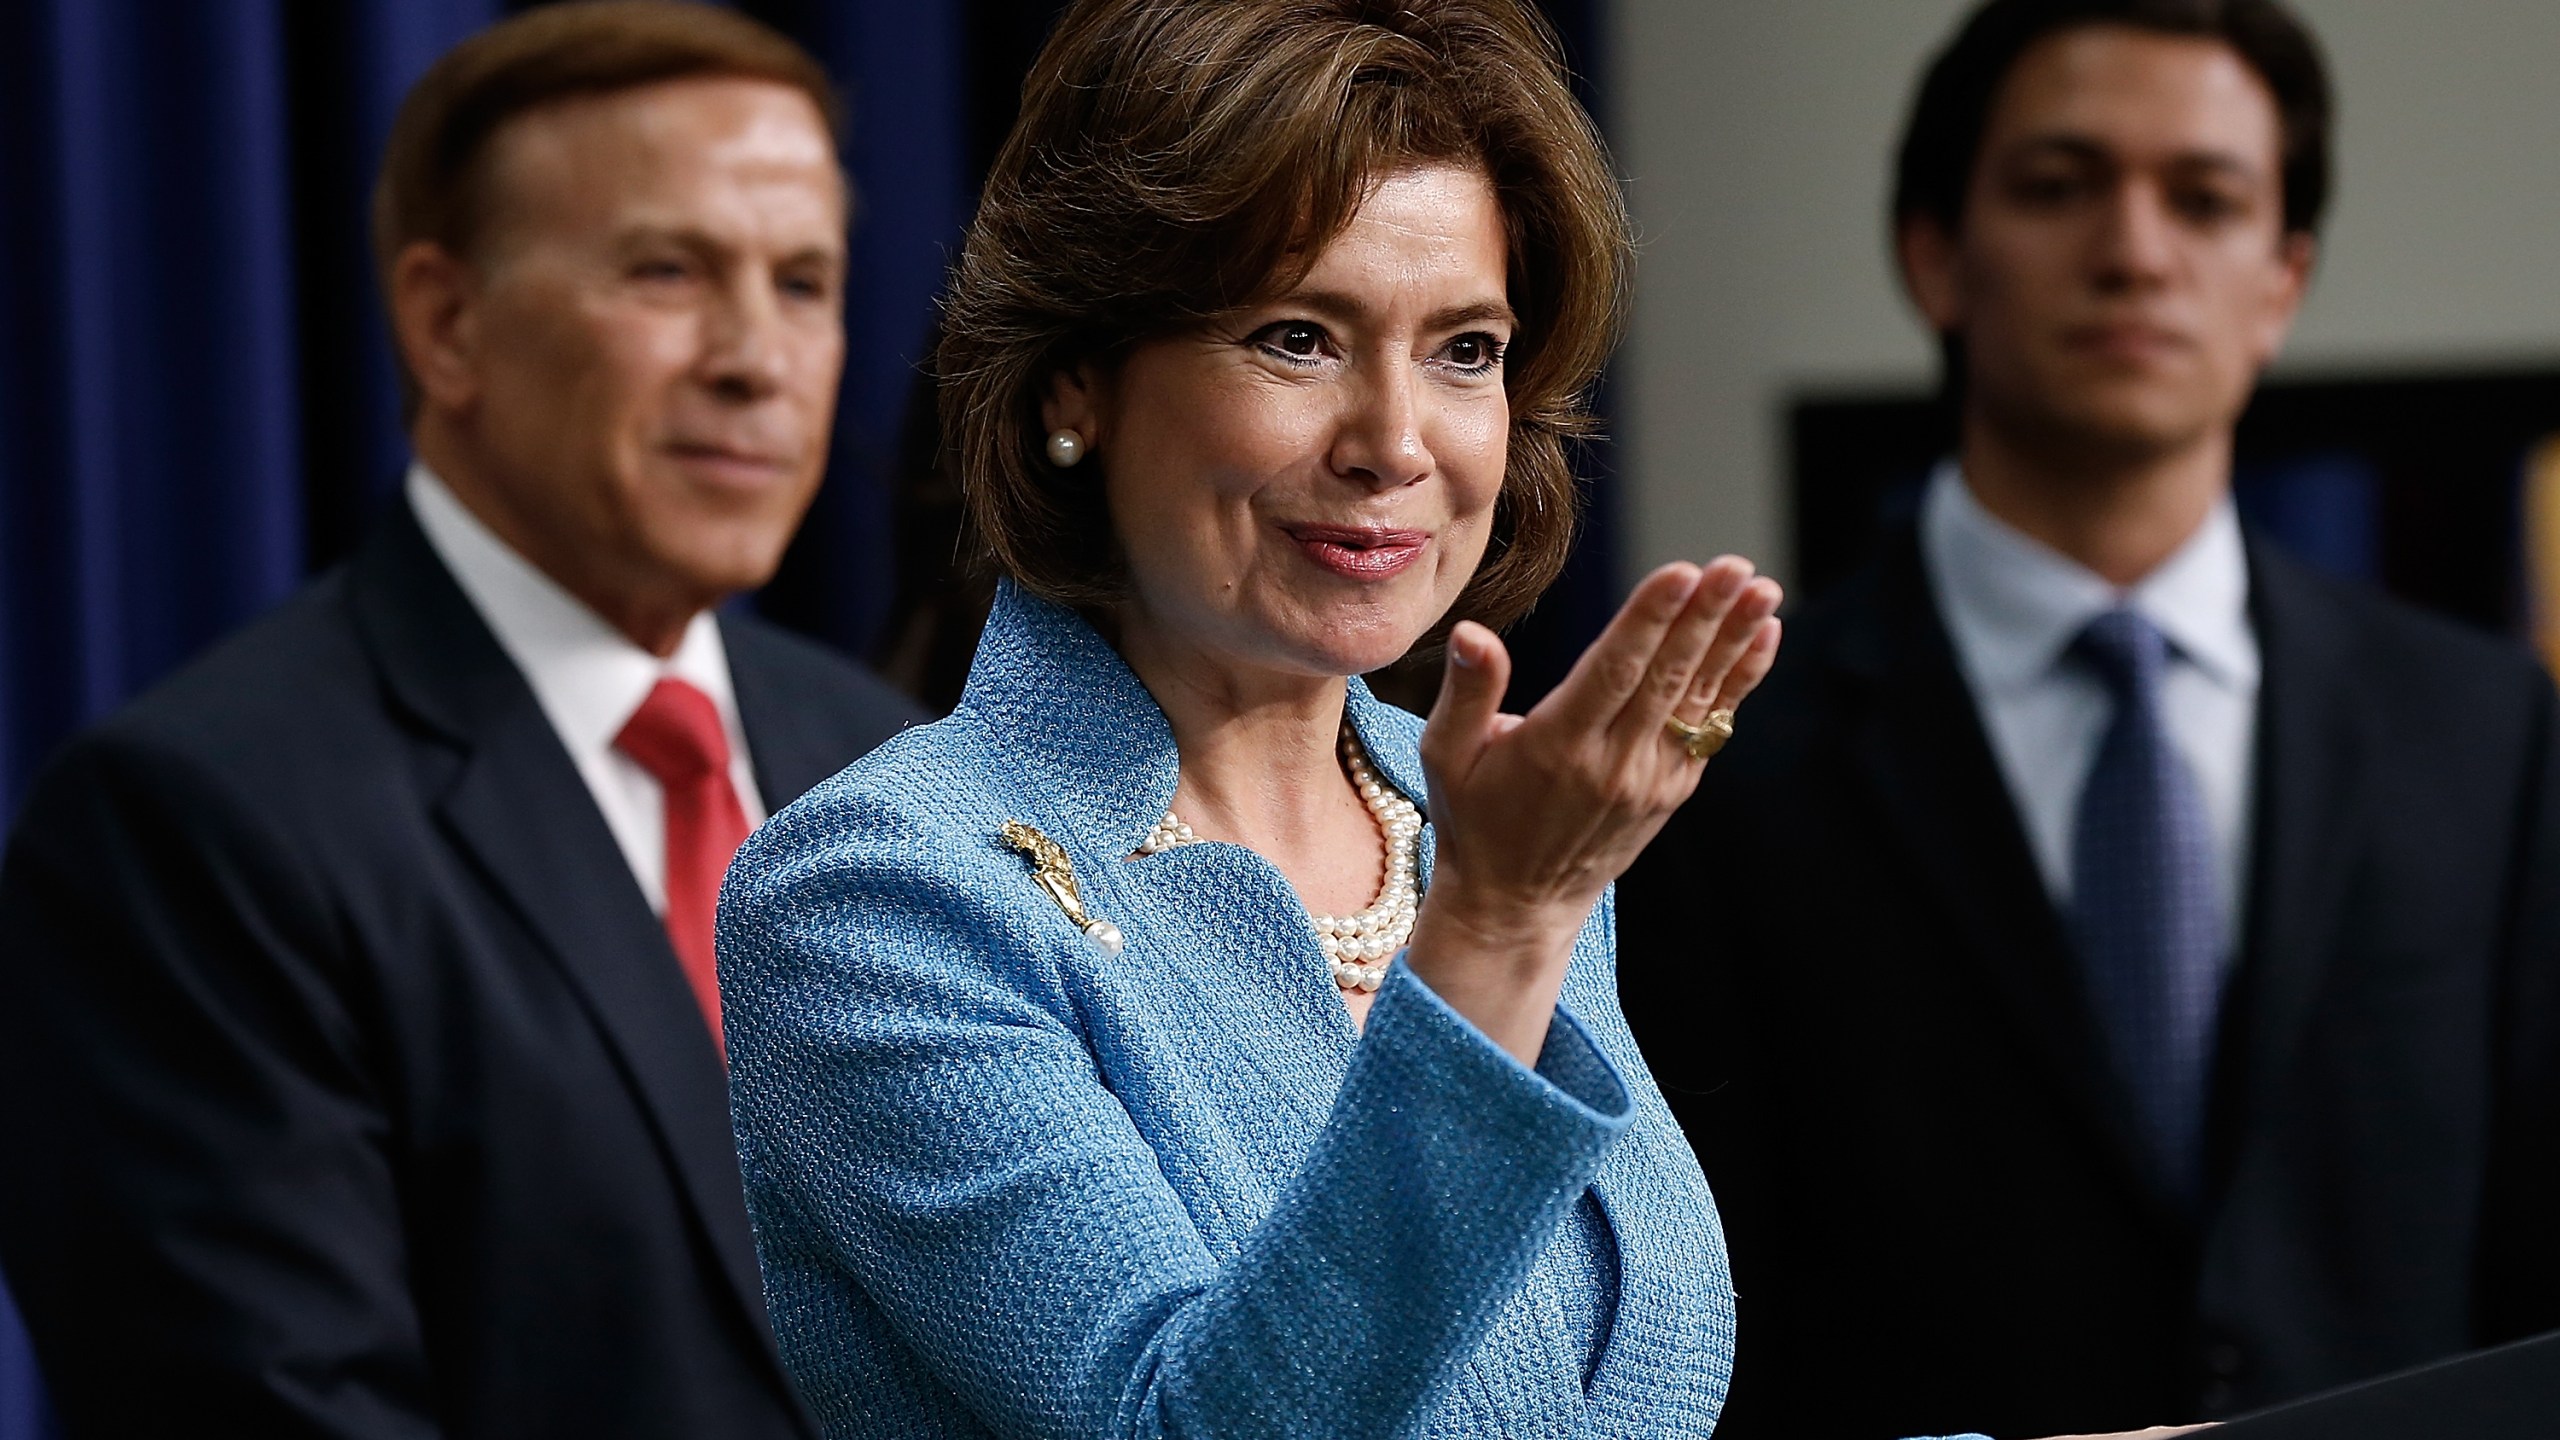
(791,670)
(278,735)
(2405,653)
(293,684)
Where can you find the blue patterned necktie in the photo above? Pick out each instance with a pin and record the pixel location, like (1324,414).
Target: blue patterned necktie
(2144,904)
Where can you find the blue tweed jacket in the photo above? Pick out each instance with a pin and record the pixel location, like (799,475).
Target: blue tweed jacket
(1005,1183)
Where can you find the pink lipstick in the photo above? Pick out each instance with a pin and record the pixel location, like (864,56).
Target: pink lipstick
(1358,552)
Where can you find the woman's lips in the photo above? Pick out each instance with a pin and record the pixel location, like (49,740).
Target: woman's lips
(1359,553)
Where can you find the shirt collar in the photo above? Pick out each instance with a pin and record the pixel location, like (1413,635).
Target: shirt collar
(588,676)
(2014,604)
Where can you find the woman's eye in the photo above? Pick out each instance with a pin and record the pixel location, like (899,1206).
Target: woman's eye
(1294,339)
(1475,352)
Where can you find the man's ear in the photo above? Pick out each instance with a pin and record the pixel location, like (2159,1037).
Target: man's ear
(2296,258)
(1075,402)
(434,314)
(1928,256)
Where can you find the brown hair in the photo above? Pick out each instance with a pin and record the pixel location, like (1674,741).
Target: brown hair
(1177,160)
(433,184)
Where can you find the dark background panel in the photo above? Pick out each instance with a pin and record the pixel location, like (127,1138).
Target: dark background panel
(2415,483)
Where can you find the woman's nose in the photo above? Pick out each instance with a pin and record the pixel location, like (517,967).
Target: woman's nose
(1380,437)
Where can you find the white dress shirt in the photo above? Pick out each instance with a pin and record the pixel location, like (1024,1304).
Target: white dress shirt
(2012,607)
(588,676)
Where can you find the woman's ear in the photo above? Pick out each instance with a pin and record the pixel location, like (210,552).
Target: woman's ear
(1074,403)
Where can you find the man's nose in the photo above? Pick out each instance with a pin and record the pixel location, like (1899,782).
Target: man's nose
(1380,437)
(743,354)
(2137,243)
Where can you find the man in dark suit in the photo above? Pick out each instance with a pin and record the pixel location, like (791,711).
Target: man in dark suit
(2111,979)
(359,1061)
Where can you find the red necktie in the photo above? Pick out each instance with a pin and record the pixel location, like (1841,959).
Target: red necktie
(675,735)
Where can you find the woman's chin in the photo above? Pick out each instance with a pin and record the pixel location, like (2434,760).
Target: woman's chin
(1359,655)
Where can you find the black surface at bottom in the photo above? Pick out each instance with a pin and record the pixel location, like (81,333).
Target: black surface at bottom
(2511,1393)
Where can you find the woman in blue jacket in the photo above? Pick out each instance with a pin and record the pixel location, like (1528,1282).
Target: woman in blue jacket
(1177,1040)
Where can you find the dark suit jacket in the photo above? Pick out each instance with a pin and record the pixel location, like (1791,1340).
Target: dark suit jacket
(1844,967)
(348,1085)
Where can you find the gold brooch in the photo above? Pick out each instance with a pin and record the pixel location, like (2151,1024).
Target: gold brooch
(1057,878)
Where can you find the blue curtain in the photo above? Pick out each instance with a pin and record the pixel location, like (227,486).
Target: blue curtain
(197,409)
(196,400)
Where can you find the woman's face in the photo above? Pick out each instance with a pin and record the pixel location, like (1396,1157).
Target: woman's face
(1305,488)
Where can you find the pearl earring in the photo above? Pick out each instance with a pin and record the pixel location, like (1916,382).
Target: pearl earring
(1066,447)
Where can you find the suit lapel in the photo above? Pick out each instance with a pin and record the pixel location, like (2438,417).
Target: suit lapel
(1920,745)
(789,748)
(519,810)
(2312,745)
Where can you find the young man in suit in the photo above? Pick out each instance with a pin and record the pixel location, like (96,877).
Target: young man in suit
(2134,997)
(359,1040)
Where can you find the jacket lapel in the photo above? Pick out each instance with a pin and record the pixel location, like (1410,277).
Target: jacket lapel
(2312,745)
(1919,743)
(793,746)
(520,812)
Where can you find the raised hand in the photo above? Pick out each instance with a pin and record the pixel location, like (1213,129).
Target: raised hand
(1535,814)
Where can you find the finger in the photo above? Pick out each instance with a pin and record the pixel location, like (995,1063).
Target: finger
(1688,644)
(1750,670)
(1751,613)
(1472,681)
(1596,689)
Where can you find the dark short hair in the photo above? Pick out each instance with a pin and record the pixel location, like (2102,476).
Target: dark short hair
(1177,160)
(1943,140)
(433,184)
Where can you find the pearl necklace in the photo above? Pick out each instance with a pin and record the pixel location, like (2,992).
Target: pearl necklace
(1357,948)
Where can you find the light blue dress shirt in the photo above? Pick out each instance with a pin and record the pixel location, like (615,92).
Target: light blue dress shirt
(2012,606)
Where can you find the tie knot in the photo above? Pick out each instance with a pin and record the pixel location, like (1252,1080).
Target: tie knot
(2126,650)
(675,735)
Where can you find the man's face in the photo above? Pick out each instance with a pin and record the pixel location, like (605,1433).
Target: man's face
(646,355)
(2123,272)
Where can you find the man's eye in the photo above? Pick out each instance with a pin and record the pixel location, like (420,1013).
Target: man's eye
(2044,189)
(2209,206)
(659,270)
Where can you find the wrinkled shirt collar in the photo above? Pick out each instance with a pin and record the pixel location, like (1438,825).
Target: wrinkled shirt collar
(2015,604)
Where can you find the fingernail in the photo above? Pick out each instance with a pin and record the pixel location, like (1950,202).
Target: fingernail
(1458,655)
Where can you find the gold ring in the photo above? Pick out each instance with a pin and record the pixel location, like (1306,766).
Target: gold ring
(1702,741)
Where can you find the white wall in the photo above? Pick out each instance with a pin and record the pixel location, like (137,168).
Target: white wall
(1757,137)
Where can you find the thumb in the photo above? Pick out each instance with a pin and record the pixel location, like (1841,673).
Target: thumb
(1472,683)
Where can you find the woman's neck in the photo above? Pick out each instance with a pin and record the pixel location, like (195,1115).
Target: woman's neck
(1261,765)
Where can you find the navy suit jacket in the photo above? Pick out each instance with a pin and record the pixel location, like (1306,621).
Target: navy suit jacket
(348,1085)
(1842,963)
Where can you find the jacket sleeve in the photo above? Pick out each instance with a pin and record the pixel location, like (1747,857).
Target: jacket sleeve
(2519,1269)
(908,1070)
(202,1222)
